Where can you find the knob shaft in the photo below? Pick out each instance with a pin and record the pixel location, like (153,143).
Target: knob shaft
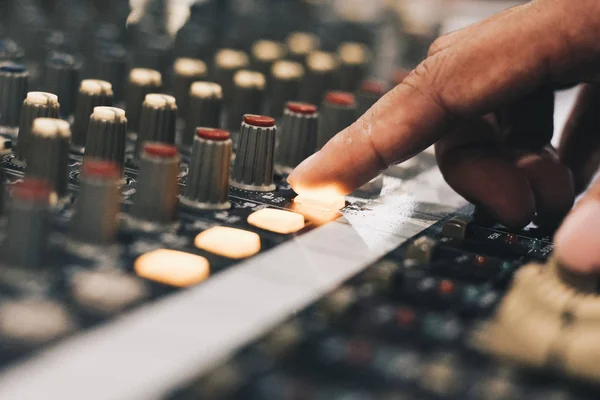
(49,154)
(95,220)
(14,80)
(36,105)
(338,111)
(298,137)
(155,200)
(208,178)
(142,82)
(284,85)
(158,120)
(186,71)
(253,166)
(92,93)
(248,95)
(62,77)
(106,136)
(205,108)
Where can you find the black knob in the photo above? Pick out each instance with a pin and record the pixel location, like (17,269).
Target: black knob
(369,92)
(14,80)
(247,97)
(10,51)
(205,108)
(298,135)
(338,112)
(62,77)
(142,81)
(321,69)
(300,45)
(284,86)
(92,93)
(158,120)
(186,71)
(36,105)
(106,136)
(111,66)
(253,165)
(227,62)
(28,225)
(265,53)
(354,65)
(155,199)
(49,154)
(95,220)
(208,177)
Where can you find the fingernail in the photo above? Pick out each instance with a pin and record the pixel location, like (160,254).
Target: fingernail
(578,239)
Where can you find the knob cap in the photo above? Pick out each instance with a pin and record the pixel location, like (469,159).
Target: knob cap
(265,53)
(253,166)
(28,225)
(187,71)
(106,136)
(92,93)
(321,68)
(14,80)
(227,62)
(354,65)
(370,91)
(95,220)
(158,120)
(247,96)
(155,200)
(298,137)
(62,77)
(338,111)
(111,66)
(208,177)
(142,81)
(36,105)
(206,104)
(300,45)
(49,154)
(284,86)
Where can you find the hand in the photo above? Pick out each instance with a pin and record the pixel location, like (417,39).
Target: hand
(484,95)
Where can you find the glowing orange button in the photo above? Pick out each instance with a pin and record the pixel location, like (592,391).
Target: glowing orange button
(228,242)
(279,221)
(172,267)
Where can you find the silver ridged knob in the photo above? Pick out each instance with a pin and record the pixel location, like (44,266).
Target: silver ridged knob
(14,81)
(49,154)
(301,44)
(354,65)
(338,112)
(61,76)
(92,93)
(247,97)
(253,166)
(106,135)
(298,134)
(186,71)
(321,69)
(205,109)
(208,177)
(142,81)
(158,120)
(227,62)
(284,85)
(155,200)
(369,92)
(36,105)
(95,220)
(28,225)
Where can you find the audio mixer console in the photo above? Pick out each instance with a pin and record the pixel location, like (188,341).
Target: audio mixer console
(151,247)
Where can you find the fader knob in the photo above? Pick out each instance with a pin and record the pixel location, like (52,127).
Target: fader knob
(227,63)
(354,64)
(27,225)
(338,111)
(92,93)
(206,103)
(301,44)
(253,166)
(36,105)
(265,53)
(369,92)
(106,136)
(247,96)
(49,154)
(158,120)
(208,177)
(14,80)
(111,66)
(284,86)
(142,82)
(298,136)
(321,68)
(62,77)
(96,211)
(186,71)
(155,200)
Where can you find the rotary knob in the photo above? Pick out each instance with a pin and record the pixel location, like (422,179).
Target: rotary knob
(111,66)
(92,93)
(142,82)
(208,178)
(36,105)
(370,91)
(253,166)
(321,69)
(338,111)
(298,136)
(301,44)
(14,80)
(265,53)
(247,96)
(186,71)
(354,65)
(205,108)
(227,62)
(158,120)
(106,136)
(284,86)
(62,77)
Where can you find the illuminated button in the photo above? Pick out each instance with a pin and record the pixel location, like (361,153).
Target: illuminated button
(278,221)
(327,200)
(172,267)
(228,242)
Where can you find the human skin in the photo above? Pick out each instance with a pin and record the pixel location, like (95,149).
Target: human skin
(484,96)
